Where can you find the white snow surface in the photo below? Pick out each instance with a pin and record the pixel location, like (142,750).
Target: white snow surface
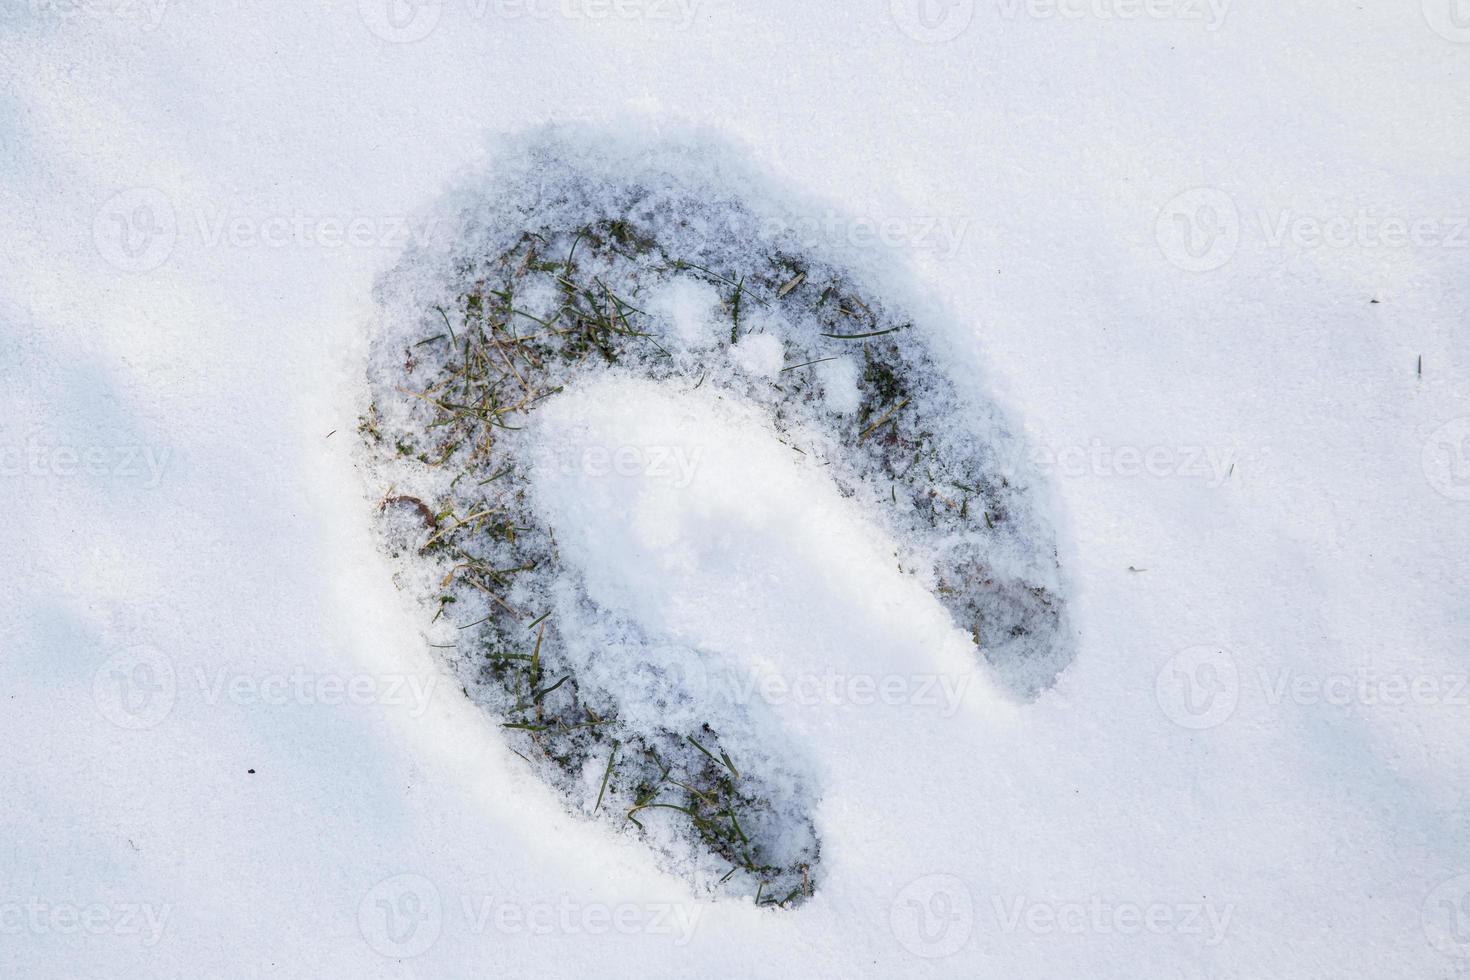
(759,354)
(226,750)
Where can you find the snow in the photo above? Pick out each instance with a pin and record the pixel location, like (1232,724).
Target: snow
(838,378)
(1255,764)
(688,305)
(759,354)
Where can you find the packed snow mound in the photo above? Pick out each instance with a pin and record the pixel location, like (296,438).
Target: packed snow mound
(616,347)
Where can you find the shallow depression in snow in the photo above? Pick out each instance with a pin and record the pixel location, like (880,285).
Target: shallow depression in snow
(685,511)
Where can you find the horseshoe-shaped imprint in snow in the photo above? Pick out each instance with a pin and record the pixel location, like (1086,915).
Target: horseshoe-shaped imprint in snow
(616,367)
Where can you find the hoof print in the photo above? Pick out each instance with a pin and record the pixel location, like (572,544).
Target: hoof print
(575,257)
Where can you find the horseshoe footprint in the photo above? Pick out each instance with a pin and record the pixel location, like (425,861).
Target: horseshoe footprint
(586,285)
